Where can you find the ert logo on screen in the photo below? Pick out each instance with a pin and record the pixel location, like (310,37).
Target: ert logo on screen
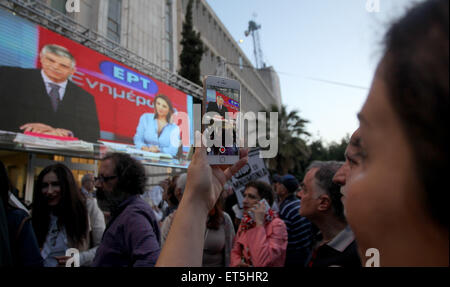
(127,77)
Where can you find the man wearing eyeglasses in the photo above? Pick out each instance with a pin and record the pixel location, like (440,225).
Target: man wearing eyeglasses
(132,236)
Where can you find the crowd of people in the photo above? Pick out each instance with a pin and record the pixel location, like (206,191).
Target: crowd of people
(387,194)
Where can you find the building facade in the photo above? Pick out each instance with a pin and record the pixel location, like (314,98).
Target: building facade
(260,88)
(151,31)
(145,27)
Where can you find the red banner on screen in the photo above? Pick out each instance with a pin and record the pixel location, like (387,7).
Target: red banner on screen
(122,94)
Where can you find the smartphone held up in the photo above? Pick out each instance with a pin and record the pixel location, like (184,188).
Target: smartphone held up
(221,105)
(266,208)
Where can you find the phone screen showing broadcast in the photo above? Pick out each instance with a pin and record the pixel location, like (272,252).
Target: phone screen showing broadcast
(222,106)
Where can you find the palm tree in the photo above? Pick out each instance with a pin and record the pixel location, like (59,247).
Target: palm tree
(293,152)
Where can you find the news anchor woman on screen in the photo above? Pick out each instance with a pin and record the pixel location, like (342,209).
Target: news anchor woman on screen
(155,132)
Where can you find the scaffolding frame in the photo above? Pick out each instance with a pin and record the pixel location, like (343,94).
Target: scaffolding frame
(40,13)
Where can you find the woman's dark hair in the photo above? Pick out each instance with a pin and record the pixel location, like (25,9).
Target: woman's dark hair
(216,218)
(130,173)
(416,70)
(71,209)
(264,190)
(169,103)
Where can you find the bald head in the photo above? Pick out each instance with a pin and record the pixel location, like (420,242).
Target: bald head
(87,182)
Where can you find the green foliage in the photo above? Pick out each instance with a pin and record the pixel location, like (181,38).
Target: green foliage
(336,151)
(294,154)
(292,148)
(332,152)
(192,52)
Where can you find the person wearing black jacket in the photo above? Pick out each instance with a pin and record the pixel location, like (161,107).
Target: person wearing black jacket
(23,249)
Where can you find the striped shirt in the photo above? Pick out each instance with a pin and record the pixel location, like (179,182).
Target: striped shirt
(299,232)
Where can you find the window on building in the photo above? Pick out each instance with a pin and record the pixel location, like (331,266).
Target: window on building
(59,5)
(114,20)
(169,35)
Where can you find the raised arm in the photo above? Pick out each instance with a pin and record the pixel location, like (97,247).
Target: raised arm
(184,244)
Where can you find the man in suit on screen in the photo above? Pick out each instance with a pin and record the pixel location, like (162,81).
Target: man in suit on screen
(217,106)
(45,101)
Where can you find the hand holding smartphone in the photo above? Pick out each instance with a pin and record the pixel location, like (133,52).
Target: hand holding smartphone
(221,103)
(266,204)
(266,208)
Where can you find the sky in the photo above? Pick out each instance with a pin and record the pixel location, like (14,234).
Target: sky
(325,53)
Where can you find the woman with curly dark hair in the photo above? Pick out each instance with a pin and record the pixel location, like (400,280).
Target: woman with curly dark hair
(262,239)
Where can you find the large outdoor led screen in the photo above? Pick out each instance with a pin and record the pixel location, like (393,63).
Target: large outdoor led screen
(90,97)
